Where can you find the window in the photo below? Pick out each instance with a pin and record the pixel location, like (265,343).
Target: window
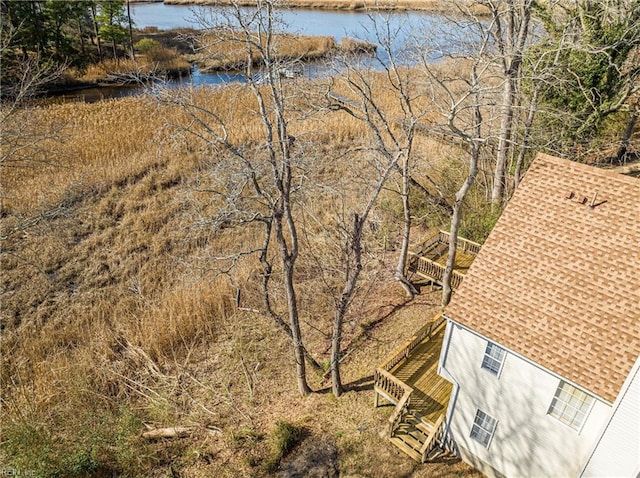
(570,405)
(483,428)
(493,358)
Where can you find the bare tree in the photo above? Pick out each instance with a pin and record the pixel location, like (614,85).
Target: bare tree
(392,120)
(266,175)
(511,25)
(461,99)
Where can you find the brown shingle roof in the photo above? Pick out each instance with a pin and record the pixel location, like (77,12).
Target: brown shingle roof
(559,282)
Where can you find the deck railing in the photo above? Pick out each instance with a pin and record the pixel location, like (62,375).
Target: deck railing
(389,386)
(432,269)
(402,407)
(467,246)
(433,439)
(396,391)
(392,388)
(402,352)
(442,237)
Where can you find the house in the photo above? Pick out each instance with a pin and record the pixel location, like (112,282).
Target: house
(542,338)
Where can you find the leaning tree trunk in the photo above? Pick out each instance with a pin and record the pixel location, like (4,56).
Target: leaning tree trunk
(462,192)
(455,225)
(400,274)
(353,269)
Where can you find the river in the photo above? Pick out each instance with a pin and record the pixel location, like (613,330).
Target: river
(338,24)
(354,24)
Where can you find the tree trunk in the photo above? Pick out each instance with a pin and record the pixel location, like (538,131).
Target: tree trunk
(266,295)
(504,140)
(400,275)
(296,333)
(97,32)
(352,273)
(115,52)
(289,256)
(626,135)
(336,346)
(82,41)
(511,45)
(464,189)
(132,51)
(455,226)
(526,134)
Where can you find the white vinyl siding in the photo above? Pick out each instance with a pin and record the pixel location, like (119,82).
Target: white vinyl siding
(570,405)
(493,359)
(617,452)
(527,441)
(483,428)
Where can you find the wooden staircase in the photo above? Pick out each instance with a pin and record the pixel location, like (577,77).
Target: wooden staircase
(416,437)
(408,379)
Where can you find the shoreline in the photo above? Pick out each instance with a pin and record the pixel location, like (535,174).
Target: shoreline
(434,6)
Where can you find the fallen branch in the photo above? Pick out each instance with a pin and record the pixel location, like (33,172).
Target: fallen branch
(170,432)
(176,432)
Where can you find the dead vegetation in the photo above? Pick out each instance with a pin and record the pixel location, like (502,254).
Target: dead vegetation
(116,321)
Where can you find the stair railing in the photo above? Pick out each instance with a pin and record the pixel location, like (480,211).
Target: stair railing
(399,412)
(434,437)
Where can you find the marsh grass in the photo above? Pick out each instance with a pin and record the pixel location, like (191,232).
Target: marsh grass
(224,50)
(115,316)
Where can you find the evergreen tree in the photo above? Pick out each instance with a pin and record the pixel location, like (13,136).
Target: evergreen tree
(112,20)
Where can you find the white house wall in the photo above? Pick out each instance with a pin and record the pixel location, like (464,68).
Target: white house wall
(617,453)
(527,441)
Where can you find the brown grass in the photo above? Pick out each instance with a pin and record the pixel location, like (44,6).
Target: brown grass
(113,315)
(226,50)
(163,60)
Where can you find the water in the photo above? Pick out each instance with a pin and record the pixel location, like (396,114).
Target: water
(302,21)
(372,27)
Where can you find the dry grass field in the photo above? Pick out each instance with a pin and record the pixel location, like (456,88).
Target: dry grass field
(115,320)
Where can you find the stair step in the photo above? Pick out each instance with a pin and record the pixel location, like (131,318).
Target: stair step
(409,440)
(437,453)
(413,431)
(406,448)
(424,428)
(419,424)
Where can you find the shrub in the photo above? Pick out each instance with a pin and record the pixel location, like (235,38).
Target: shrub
(145,45)
(283,438)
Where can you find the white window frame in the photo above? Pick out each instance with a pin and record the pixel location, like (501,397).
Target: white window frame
(479,428)
(569,403)
(490,358)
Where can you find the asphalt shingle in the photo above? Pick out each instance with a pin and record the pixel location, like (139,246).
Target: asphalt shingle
(558,281)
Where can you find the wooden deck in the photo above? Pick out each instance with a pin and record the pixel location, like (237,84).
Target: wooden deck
(408,378)
(430,259)
(461,264)
(431,392)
